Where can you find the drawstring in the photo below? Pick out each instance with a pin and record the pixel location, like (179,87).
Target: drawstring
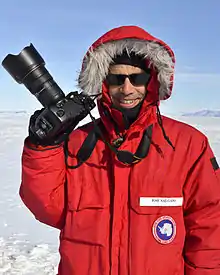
(160,121)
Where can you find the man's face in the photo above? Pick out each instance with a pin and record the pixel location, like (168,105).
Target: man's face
(126,94)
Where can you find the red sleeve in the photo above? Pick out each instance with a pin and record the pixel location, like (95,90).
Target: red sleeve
(43,183)
(202,215)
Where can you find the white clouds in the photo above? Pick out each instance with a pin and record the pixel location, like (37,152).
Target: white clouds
(197,77)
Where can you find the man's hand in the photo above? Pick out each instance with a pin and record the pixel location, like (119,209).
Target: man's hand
(33,131)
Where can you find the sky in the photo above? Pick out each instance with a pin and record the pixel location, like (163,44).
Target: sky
(62,31)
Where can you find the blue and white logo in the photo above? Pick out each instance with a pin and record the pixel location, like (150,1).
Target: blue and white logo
(164,229)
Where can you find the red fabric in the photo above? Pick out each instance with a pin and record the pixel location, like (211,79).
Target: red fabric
(104,229)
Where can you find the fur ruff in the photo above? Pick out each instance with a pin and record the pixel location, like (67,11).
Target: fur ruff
(96,64)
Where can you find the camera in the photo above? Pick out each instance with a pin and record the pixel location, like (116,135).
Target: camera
(61,113)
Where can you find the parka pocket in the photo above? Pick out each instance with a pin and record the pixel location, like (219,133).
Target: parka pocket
(87,221)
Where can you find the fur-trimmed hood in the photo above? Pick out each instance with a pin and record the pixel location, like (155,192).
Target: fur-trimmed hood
(132,39)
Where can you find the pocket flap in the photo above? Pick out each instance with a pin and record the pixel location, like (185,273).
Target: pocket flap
(156,205)
(89,198)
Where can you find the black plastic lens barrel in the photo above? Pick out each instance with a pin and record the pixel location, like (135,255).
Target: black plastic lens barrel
(28,68)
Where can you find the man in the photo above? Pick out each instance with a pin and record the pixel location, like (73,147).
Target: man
(147,200)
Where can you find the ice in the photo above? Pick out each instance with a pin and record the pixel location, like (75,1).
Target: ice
(28,247)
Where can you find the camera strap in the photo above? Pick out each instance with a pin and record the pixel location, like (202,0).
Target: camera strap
(84,152)
(123,156)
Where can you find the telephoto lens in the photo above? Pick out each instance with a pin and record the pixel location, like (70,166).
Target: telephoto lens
(28,68)
(61,113)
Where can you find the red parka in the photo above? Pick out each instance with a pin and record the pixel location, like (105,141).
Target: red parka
(160,215)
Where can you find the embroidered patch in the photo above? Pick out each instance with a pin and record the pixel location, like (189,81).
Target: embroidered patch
(164,229)
(214,164)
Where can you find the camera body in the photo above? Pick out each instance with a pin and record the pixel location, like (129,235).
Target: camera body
(61,113)
(61,118)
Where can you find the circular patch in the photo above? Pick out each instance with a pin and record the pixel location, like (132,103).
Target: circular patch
(164,229)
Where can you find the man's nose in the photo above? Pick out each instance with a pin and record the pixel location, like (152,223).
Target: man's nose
(127,87)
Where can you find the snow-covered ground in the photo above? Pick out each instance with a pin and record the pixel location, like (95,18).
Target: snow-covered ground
(28,247)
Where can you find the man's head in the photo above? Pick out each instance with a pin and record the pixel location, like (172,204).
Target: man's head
(103,53)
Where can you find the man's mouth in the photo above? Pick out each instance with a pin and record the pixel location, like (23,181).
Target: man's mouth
(128,103)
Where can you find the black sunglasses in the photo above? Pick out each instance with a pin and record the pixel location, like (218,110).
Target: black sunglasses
(135,79)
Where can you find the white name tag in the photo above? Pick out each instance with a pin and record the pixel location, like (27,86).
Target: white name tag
(153,201)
